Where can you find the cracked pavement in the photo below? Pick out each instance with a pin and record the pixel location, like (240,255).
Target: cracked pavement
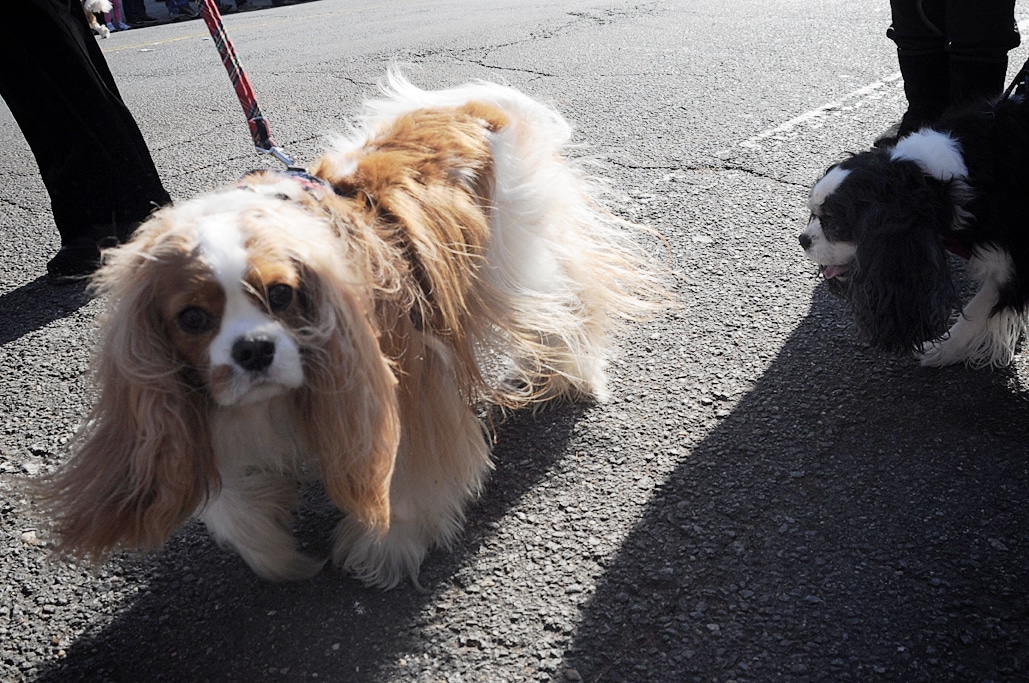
(764,498)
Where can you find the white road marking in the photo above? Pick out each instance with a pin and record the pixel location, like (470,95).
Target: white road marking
(755,141)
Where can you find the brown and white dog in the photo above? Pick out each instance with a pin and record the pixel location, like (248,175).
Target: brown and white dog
(346,324)
(93,7)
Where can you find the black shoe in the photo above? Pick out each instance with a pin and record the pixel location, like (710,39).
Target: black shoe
(73,263)
(914,120)
(80,257)
(888,137)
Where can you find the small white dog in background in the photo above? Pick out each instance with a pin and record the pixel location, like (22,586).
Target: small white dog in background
(91,9)
(344,324)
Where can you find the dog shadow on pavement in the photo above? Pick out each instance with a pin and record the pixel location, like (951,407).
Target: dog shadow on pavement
(201,614)
(853,517)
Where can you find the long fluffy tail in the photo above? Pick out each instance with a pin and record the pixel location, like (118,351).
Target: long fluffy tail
(577,271)
(569,270)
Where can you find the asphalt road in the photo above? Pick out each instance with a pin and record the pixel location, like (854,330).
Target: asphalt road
(765,498)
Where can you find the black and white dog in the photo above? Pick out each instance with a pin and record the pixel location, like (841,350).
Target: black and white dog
(882,222)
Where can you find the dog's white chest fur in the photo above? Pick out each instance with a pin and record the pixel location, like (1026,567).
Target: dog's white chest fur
(258,435)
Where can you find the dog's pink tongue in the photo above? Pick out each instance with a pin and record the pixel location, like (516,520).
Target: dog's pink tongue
(832,271)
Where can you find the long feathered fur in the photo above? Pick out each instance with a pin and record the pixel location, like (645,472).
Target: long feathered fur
(883,222)
(453,257)
(899,287)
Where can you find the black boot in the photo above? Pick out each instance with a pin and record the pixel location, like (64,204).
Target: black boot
(927,88)
(976,79)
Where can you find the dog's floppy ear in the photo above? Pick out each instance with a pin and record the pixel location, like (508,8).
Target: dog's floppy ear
(901,292)
(143,461)
(349,404)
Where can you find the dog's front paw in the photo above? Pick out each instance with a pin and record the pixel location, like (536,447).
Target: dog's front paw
(277,562)
(941,354)
(295,567)
(382,562)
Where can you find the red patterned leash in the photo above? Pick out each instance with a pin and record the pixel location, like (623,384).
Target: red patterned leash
(258,124)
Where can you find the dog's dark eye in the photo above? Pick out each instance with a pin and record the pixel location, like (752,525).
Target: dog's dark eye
(279,297)
(195,320)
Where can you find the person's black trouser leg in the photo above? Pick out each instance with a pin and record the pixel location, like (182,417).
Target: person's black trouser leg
(918,30)
(980,35)
(91,155)
(950,52)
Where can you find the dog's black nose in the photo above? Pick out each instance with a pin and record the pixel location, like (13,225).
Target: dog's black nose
(805,241)
(253,354)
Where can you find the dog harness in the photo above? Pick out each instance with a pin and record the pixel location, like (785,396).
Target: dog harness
(311,184)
